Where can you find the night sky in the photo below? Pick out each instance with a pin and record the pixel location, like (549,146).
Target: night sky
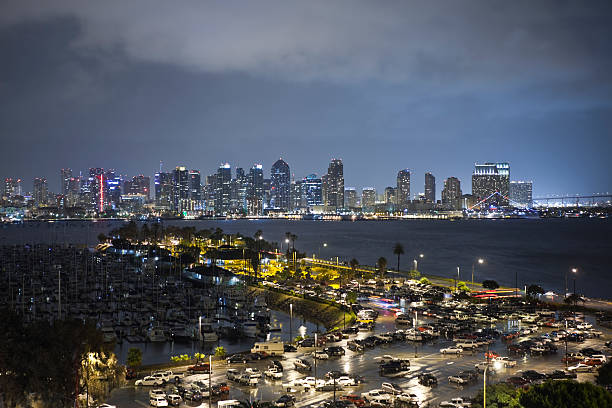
(430,86)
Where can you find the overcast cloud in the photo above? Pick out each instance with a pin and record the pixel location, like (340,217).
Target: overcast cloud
(424,76)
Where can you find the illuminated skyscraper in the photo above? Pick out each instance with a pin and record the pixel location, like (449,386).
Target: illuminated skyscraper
(368,199)
(65,177)
(390,195)
(223,189)
(350,197)
(521,193)
(335,185)
(280,182)
(430,188)
(164,191)
(181,189)
(402,192)
(311,191)
(195,190)
(12,187)
(451,193)
(41,192)
(491,178)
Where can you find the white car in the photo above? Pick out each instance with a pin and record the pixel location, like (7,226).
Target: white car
(505,361)
(451,350)
(385,359)
(158,402)
(391,388)
(581,368)
(320,355)
(404,397)
(157,393)
(148,380)
(174,399)
(106,406)
(373,394)
(455,403)
(253,372)
(345,380)
(273,373)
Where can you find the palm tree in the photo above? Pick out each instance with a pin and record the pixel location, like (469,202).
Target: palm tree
(354,263)
(398,250)
(382,266)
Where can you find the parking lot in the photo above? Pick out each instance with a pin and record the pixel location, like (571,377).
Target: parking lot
(428,359)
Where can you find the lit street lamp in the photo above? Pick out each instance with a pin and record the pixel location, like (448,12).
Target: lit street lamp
(480,261)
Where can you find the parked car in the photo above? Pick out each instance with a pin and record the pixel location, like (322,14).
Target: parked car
(428,380)
(174,399)
(157,393)
(199,368)
(158,402)
(289,348)
(302,365)
(233,374)
(285,401)
(451,350)
(236,359)
(150,381)
(391,388)
(580,368)
(456,403)
(355,399)
(320,355)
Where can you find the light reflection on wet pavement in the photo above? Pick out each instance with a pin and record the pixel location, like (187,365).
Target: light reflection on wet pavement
(428,360)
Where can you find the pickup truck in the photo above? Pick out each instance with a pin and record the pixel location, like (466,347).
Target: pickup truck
(273,373)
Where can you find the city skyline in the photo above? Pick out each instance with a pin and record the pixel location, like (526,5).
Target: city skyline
(428,88)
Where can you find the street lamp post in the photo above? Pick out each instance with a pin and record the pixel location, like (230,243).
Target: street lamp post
(315,361)
(480,261)
(484,399)
(457,281)
(291,322)
(416,325)
(575,271)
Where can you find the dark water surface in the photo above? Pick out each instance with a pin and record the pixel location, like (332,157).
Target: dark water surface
(540,251)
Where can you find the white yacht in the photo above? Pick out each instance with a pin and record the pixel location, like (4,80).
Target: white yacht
(249,328)
(156,335)
(108,334)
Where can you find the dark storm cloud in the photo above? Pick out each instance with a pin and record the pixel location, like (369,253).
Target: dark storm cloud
(324,74)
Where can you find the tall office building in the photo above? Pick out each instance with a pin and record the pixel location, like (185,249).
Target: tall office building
(96,189)
(280,184)
(164,191)
(390,195)
(12,187)
(195,190)
(256,182)
(223,189)
(430,188)
(402,192)
(312,191)
(180,190)
(297,195)
(350,197)
(267,192)
(41,192)
(210,191)
(112,189)
(65,177)
(491,178)
(451,193)
(335,185)
(368,199)
(521,193)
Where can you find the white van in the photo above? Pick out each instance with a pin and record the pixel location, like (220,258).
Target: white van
(228,404)
(270,348)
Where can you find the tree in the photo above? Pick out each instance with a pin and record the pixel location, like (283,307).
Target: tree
(351,297)
(354,263)
(382,266)
(604,374)
(220,351)
(534,290)
(398,250)
(565,394)
(134,357)
(462,287)
(499,396)
(414,274)
(490,284)
(425,281)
